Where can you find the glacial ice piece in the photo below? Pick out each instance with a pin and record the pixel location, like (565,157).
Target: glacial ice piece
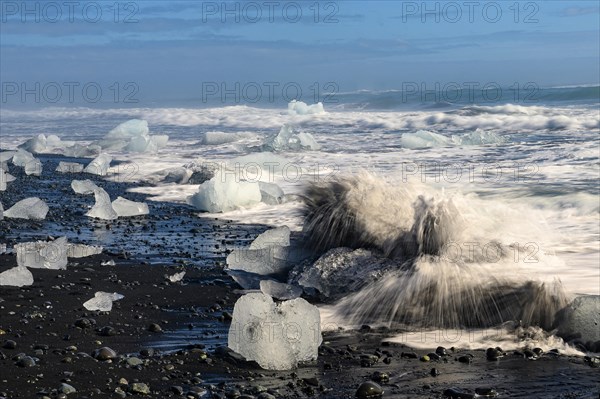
(133,136)
(279,290)
(1,211)
(339,271)
(69,167)
(102,209)
(301,108)
(28,162)
(82,151)
(35,144)
(271,261)
(102,301)
(17,277)
(225,193)
(110,262)
(279,236)
(129,129)
(217,138)
(5,177)
(580,320)
(423,139)
(176,277)
(83,186)
(247,280)
(276,336)
(6,155)
(2,247)
(125,207)
(82,250)
(270,193)
(478,137)
(99,166)
(28,208)
(289,139)
(147,143)
(43,254)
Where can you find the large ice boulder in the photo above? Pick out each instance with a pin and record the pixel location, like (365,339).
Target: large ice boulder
(581,321)
(289,139)
(102,301)
(133,135)
(224,193)
(83,186)
(43,254)
(99,166)
(301,108)
(69,167)
(277,336)
(102,209)
(17,277)
(28,162)
(41,144)
(28,208)
(125,207)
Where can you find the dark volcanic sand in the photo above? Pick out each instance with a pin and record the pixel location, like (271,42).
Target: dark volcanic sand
(190,357)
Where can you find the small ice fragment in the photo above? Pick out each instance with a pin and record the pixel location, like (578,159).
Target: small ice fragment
(28,208)
(82,250)
(102,209)
(1,211)
(108,263)
(17,277)
(279,236)
(2,249)
(42,254)
(280,291)
(289,139)
(83,186)
(270,193)
(6,155)
(125,207)
(176,277)
(276,335)
(99,166)
(69,167)
(28,162)
(301,108)
(216,138)
(102,301)
(5,177)
(224,193)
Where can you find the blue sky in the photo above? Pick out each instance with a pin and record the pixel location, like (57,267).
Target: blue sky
(171,50)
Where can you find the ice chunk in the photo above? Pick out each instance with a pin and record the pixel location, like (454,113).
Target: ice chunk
(176,277)
(301,108)
(29,208)
(580,320)
(279,290)
(271,261)
(5,177)
(41,144)
(82,250)
(225,192)
(99,166)
(69,167)
(125,207)
(289,139)
(83,186)
(2,247)
(339,271)
(6,155)
(276,336)
(270,193)
(108,263)
(17,277)
(1,211)
(246,280)
(28,162)
(423,139)
(42,254)
(279,236)
(129,129)
(81,151)
(216,138)
(134,136)
(478,137)
(102,209)
(102,301)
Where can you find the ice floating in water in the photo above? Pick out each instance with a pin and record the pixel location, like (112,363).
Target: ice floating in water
(176,277)
(340,271)
(217,138)
(280,291)
(301,108)
(17,277)
(279,236)
(276,336)
(82,250)
(83,186)
(29,208)
(271,193)
(426,139)
(99,166)
(28,162)
(289,139)
(41,144)
(69,167)
(42,254)
(225,192)
(580,320)
(102,301)
(133,135)
(102,209)
(125,207)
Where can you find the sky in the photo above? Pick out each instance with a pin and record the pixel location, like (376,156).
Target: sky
(163,51)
